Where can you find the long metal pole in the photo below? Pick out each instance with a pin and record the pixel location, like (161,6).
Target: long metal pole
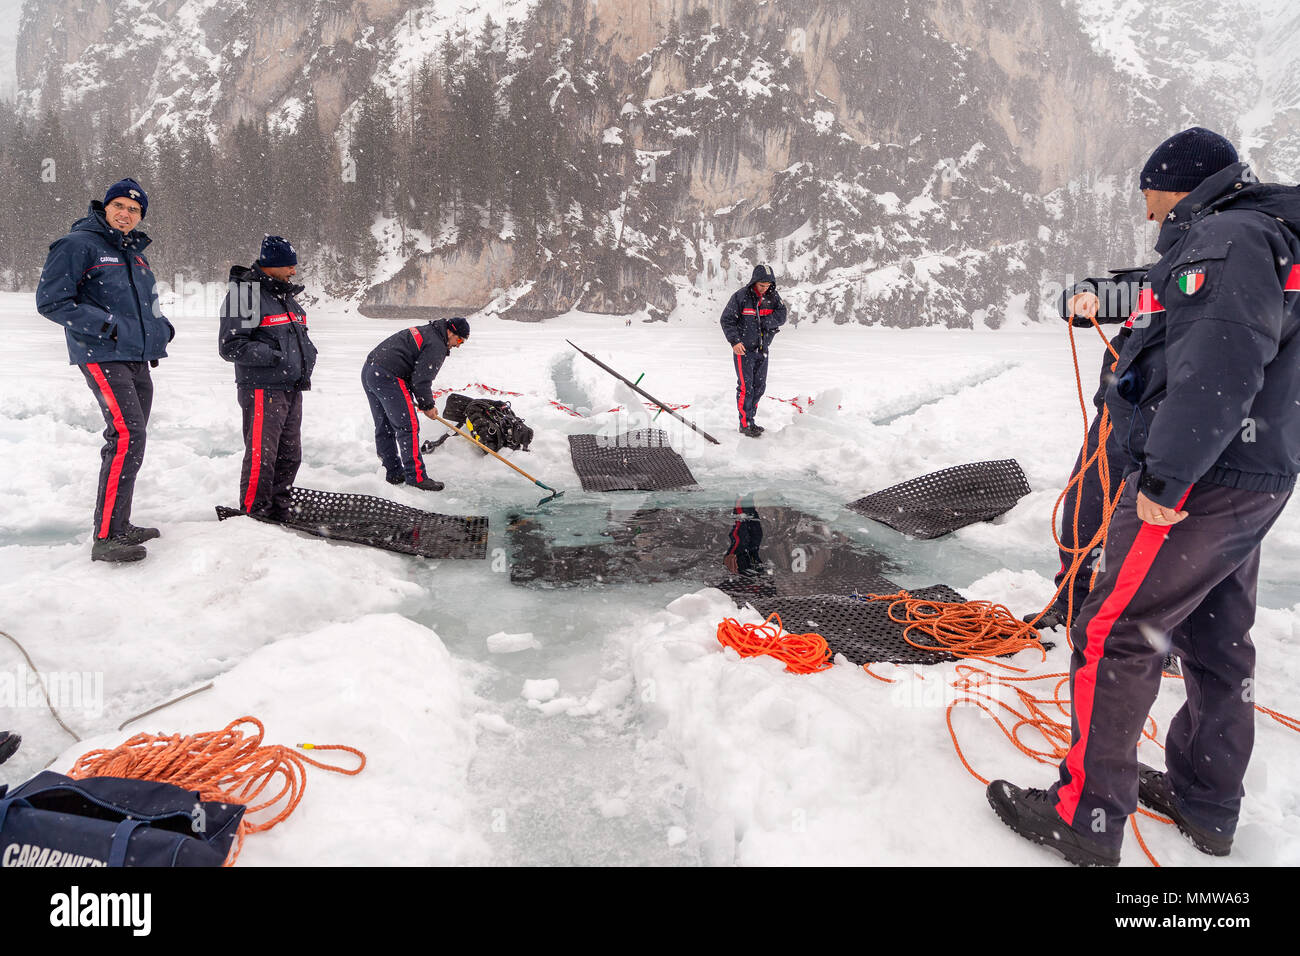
(640,391)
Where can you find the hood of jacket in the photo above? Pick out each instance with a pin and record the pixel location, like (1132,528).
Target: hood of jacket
(763,273)
(1233,187)
(94,221)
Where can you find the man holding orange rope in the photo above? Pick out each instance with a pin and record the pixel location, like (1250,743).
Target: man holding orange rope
(1206,403)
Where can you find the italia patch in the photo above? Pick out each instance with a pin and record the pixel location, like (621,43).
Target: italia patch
(1192,281)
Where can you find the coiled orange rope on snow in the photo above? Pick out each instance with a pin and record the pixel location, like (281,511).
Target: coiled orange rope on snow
(961,628)
(801,653)
(222,765)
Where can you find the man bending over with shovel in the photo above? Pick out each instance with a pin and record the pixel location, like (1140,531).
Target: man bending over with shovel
(398,378)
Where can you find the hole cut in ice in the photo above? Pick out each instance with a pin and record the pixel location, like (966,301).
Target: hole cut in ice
(776,558)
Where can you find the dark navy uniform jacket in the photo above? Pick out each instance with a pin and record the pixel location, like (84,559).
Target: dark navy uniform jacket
(264,332)
(751,321)
(98,285)
(1207,387)
(414,355)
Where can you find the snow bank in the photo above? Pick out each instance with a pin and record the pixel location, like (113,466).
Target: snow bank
(382,684)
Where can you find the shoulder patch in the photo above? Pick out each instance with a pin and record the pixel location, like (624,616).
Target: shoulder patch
(1191,280)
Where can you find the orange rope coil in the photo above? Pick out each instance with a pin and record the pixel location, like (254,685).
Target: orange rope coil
(801,653)
(223,765)
(961,628)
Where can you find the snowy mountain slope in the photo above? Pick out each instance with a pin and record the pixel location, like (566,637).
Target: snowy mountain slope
(1232,66)
(601,157)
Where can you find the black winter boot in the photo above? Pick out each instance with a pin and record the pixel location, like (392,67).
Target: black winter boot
(1032,814)
(1154,792)
(428,484)
(116,549)
(137,535)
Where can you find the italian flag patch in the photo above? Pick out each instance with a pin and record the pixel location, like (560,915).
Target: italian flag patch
(1191,283)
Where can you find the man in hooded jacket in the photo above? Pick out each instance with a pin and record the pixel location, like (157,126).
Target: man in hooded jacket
(97,284)
(264,333)
(750,321)
(1206,403)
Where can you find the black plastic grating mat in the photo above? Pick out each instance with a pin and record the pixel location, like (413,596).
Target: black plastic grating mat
(749,588)
(943,501)
(641,460)
(363,519)
(859,629)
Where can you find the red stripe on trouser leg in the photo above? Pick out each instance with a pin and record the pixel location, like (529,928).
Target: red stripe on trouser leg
(740,396)
(415,430)
(255,443)
(119,454)
(1137,563)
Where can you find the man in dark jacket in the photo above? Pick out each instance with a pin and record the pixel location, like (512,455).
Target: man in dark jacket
(751,319)
(264,332)
(98,285)
(1206,402)
(398,379)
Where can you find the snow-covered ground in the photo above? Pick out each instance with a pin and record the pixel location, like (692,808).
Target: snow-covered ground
(620,731)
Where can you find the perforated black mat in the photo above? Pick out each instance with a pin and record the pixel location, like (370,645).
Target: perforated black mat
(380,523)
(641,460)
(775,584)
(941,502)
(859,629)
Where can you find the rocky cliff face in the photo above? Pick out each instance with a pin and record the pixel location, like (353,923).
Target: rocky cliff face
(905,163)
(166,64)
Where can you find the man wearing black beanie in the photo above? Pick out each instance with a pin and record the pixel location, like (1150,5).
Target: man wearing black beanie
(1206,401)
(98,285)
(264,333)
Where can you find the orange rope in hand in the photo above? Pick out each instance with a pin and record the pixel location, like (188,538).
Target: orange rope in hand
(801,653)
(221,765)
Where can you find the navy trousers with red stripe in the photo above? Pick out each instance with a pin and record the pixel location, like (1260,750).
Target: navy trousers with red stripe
(751,382)
(272,449)
(1192,584)
(124,391)
(397,423)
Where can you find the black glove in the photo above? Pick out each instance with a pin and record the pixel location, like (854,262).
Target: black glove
(9,742)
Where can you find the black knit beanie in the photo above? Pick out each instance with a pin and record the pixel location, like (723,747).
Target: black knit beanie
(1185,160)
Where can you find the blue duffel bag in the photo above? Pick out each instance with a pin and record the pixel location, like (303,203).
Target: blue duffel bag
(53,820)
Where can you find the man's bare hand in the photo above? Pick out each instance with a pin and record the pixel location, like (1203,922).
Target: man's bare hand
(431,412)
(738,348)
(1085,304)
(1152,513)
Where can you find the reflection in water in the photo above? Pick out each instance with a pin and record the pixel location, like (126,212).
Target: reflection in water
(747,551)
